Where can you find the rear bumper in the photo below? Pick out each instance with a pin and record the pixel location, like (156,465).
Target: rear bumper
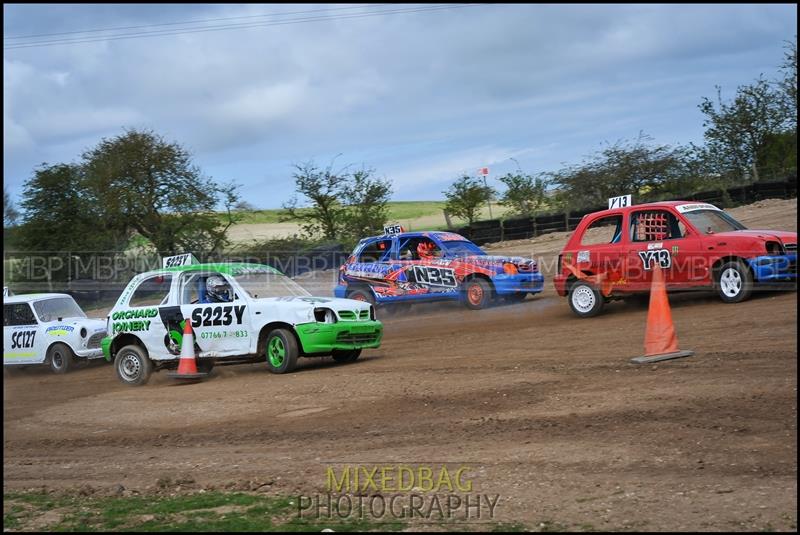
(521,282)
(776,268)
(326,337)
(560,282)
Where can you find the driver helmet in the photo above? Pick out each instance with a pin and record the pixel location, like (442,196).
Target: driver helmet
(218,289)
(426,249)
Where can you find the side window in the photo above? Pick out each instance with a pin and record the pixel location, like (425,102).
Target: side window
(655,225)
(18,314)
(195,288)
(417,248)
(603,231)
(152,291)
(376,251)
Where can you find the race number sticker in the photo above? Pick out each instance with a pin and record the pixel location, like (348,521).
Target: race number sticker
(619,202)
(435,276)
(392,229)
(22,339)
(653,256)
(179,260)
(217,316)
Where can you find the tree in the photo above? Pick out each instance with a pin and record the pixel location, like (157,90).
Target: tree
(322,188)
(525,194)
(10,213)
(737,133)
(639,168)
(150,185)
(366,200)
(788,84)
(465,197)
(60,217)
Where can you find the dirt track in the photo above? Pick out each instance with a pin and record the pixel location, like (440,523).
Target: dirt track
(545,408)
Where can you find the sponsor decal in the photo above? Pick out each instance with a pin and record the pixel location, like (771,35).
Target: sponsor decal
(22,339)
(674,250)
(661,256)
(683,208)
(59,330)
(651,246)
(450,236)
(135,313)
(568,257)
(583,256)
(130,326)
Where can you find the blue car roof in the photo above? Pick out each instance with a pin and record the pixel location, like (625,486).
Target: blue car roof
(440,234)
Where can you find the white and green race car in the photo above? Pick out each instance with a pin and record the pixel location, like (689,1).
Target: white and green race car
(239,313)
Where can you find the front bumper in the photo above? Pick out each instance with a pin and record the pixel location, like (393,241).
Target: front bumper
(344,335)
(105,347)
(89,353)
(560,282)
(774,268)
(521,282)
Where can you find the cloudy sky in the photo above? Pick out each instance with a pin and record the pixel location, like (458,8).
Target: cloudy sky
(419,94)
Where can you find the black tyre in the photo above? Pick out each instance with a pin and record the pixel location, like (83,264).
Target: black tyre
(60,357)
(362,294)
(734,282)
(205,365)
(282,351)
(346,355)
(516,297)
(477,293)
(133,366)
(585,300)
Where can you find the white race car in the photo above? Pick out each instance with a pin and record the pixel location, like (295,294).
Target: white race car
(48,328)
(238,312)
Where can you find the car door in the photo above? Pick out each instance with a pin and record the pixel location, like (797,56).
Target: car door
(600,251)
(376,265)
(656,237)
(142,315)
(220,328)
(22,340)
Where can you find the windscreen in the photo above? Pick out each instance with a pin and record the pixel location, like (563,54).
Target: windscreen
(260,285)
(713,221)
(57,307)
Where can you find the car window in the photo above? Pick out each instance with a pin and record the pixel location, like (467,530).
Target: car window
(152,291)
(377,251)
(603,231)
(655,225)
(18,314)
(58,307)
(411,248)
(195,289)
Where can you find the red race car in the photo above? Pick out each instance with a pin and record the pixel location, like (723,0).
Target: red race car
(612,254)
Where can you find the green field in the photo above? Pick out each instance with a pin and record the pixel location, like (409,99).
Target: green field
(212,511)
(397,210)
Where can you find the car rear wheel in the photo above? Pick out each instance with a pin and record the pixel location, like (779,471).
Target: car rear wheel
(734,282)
(132,365)
(60,357)
(346,355)
(585,300)
(282,351)
(477,294)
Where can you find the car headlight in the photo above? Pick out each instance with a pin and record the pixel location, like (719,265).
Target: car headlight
(83,332)
(324,315)
(510,269)
(774,248)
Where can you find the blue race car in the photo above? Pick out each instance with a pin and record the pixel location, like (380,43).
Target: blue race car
(406,267)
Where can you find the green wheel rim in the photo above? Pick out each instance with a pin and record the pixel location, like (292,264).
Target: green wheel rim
(276,352)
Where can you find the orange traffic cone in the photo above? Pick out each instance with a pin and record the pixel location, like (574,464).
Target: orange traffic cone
(660,341)
(187,366)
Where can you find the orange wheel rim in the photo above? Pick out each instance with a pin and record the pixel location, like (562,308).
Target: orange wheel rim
(475,294)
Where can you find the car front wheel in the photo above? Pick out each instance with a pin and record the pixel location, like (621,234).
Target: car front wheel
(734,282)
(60,357)
(585,300)
(132,365)
(282,351)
